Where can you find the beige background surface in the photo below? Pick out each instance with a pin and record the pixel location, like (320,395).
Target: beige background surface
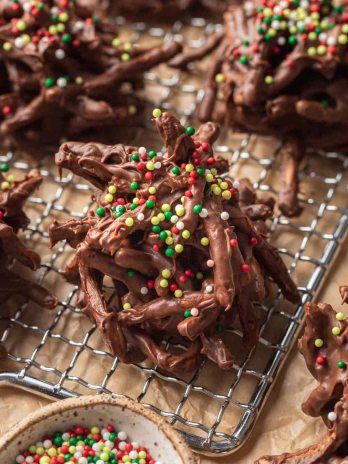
(281,427)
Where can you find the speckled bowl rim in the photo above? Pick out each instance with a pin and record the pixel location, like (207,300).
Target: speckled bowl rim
(80,402)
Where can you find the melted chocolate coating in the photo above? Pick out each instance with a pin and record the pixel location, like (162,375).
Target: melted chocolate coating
(64,73)
(326,357)
(13,218)
(172,242)
(164,10)
(282,82)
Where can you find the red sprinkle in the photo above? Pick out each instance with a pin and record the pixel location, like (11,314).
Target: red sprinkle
(149,175)
(253,241)
(173,287)
(150,284)
(155,247)
(321,360)
(245,268)
(205,146)
(182,278)
(233,242)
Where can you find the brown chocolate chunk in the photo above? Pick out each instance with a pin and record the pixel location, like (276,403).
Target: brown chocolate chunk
(181,245)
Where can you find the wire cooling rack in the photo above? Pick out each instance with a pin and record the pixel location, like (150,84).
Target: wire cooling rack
(60,354)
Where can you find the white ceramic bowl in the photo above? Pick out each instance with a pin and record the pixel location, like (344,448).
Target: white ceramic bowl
(141,425)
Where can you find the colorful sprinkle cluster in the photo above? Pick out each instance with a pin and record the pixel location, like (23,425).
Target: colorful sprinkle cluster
(285,23)
(36,24)
(8,181)
(319,343)
(168,221)
(83,445)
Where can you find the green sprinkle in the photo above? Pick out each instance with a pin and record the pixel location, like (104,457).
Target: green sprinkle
(133,206)
(244,59)
(197,209)
(169,252)
(176,170)
(341,364)
(121,209)
(151,154)
(134,185)
(190,130)
(200,171)
(246,42)
(187,313)
(150,204)
(66,38)
(49,82)
(100,212)
(163,235)
(4,167)
(130,273)
(156,229)
(292,40)
(168,215)
(135,157)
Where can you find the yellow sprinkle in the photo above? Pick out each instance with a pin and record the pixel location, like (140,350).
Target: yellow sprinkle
(26,39)
(21,25)
(125,57)
(209,178)
(129,222)
(150,166)
(213,171)
(164,283)
(169,240)
(345,28)
(125,306)
(340,316)
(312,36)
(185,234)
(79,80)
(60,27)
(116,42)
(219,78)
(11,178)
(336,331)
(312,51)
(7,46)
(216,190)
(132,109)
(342,39)
(179,248)
(189,167)
(166,273)
(155,221)
(112,189)
(152,190)
(63,17)
(318,342)
(205,241)
(5,185)
(165,207)
(321,50)
(226,195)
(180,211)
(161,217)
(52,30)
(127,46)
(157,113)
(224,185)
(178,293)
(268,80)
(108,198)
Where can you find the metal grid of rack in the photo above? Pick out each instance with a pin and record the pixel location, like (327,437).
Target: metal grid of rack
(56,358)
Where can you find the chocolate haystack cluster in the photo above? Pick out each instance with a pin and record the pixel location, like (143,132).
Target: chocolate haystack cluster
(283,70)
(324,346)
(184,250)
(13,195)
(64,74)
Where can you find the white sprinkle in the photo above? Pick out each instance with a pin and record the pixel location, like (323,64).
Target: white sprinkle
(158,165)
(54,10)
(77,455)
(142,150)
(79,25)
(331,40)
(20,458)
(225,215)
(141,216)
(29,459)
(210,263)
(194,312)
(47,444)
(100,461)
(322,36)
(249,7)
(281,41)
(122,435)
(332,416)
(277,9)
(19,42)
(209,288)
(27,6)
(109,444)
(180,225)
(105,435)
(174,219)
(62,82)
(83,461)
(275,24)
(144,291)
(60,54)
(96,446)
(122,445)
(133,454)
(203,213)
(135,444)
(159,153)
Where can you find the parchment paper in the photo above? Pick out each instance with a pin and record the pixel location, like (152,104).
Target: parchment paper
(282,426)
